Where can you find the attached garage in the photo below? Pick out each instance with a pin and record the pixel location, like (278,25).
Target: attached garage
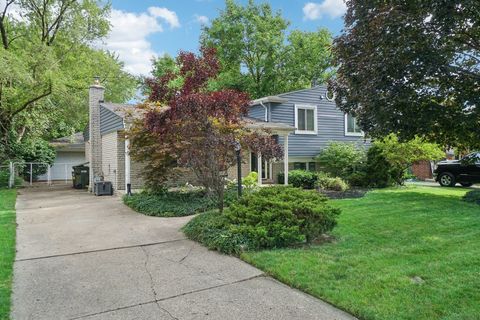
(70,151)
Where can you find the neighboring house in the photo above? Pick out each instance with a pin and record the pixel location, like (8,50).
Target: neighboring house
(304,121)
(70,151)
(317,121)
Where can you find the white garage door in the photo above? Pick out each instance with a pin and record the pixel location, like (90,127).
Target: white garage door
(62,167)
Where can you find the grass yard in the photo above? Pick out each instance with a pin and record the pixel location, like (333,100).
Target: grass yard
(7,248)
(407,253)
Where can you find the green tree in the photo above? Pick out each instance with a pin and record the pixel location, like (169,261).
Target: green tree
(412,68)
(308,57)
(250,42)
(257,56)
(46,65)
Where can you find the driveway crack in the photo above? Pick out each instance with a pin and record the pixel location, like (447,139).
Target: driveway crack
(152,284)
(188,253)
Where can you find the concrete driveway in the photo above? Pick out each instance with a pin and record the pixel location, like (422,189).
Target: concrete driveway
(86,257)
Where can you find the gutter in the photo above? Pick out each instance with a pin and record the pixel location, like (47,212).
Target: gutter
(266,111)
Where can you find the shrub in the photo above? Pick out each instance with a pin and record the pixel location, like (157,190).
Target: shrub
(250,182)
(272,217)
(281,216)
(170,204)
(379,172)
(299,179)
(211,229)
(5,177)
(472,196)
(326,182)
(341,159)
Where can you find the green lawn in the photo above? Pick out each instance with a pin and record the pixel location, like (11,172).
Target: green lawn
(409,253)
(7,248)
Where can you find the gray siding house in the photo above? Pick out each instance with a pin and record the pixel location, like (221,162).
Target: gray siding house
(316,121)
(304,121)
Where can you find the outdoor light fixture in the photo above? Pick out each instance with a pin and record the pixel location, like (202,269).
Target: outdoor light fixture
(238,150)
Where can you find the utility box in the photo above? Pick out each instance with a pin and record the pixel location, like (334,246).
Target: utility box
(80,176)
(103,188)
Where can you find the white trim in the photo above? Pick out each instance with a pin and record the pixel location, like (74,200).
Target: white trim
(307,107)
(285,158)
(351,134)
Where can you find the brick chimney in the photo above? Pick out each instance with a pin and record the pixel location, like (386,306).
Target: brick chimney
(96,95)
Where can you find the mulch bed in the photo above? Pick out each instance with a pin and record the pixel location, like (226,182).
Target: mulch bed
(351,193)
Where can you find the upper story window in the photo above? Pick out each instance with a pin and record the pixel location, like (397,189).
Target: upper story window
(305,119)
(351,126)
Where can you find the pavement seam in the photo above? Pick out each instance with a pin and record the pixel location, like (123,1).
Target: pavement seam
(156,301)
(100,250)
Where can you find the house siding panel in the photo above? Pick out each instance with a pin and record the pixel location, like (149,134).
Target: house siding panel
(109,121)
(330,120)
(257,112)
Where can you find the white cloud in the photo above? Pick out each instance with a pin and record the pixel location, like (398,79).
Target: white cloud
(202,19)
(128,38)
(332,8)
(129,34)
(163,13)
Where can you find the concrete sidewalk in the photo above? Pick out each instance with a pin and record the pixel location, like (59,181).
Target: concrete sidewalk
(84,257)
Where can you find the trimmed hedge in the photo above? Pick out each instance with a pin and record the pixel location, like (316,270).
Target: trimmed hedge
(272,217)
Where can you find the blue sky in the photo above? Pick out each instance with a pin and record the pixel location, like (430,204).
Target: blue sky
(142,29)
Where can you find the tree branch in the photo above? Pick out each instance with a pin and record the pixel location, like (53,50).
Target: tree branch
(3,30)
(31,101)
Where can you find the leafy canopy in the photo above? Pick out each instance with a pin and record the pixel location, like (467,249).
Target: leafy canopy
(412,68)
(257,56)
(47,62)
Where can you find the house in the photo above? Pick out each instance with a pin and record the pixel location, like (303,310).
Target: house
(69,152)
(304,121)
(316,121)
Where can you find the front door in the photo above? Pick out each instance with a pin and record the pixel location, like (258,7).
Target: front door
(266,166)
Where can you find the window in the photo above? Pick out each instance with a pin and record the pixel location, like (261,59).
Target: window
(307,166)
(351,127)
(299,166)
(305,119)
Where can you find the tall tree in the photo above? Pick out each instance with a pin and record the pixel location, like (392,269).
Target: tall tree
(412,68)
(257,56)
(186,125)
(46,65)
(308,58)
(249,41)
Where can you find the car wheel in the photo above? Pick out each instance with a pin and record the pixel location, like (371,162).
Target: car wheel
(466,184)
(446,180)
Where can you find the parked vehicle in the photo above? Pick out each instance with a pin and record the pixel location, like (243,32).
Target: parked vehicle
(465,171)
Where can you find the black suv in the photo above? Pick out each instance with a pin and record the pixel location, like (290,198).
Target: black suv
(465,171)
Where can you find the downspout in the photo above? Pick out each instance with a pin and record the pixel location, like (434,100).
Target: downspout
(266,111)
(127,163)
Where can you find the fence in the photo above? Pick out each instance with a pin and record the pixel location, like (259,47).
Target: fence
(36,172)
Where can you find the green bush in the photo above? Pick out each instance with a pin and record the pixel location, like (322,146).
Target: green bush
(326,182)
(472,196)
(299,179)
(341,159)
(5,177)
(170,204)
(379,172)
(272,217)
(212,229)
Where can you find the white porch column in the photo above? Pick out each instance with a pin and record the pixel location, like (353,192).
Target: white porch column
(259,168)
(285,157)
(127,164)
